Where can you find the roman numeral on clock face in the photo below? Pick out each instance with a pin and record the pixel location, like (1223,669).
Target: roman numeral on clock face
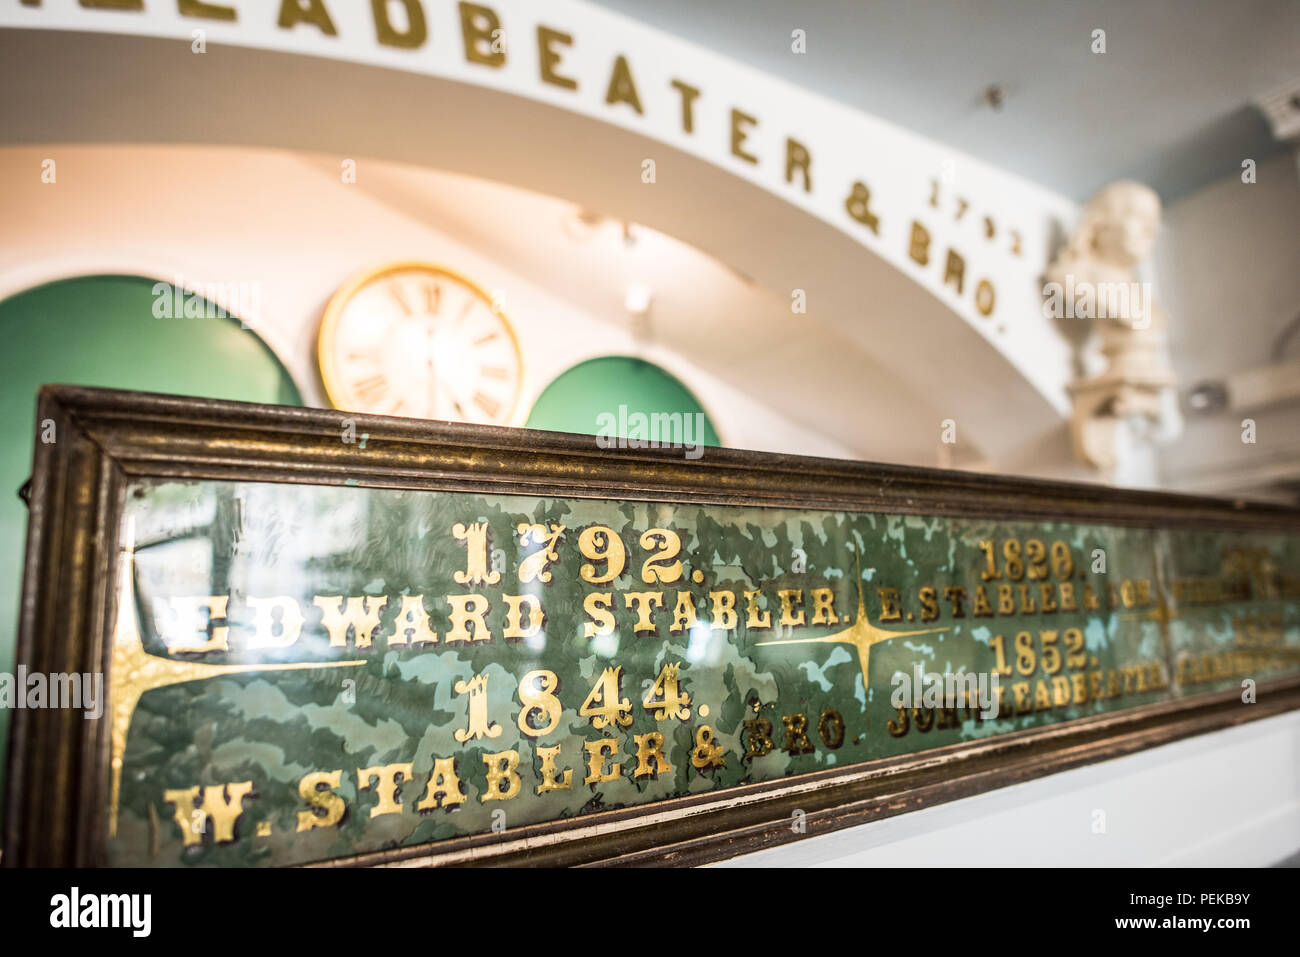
(432,298)
(371,389)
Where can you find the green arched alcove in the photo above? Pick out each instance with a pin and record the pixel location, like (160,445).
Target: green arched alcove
(102,331)
(579,397)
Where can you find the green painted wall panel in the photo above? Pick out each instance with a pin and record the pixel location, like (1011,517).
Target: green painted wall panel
(101,331)
(578,397)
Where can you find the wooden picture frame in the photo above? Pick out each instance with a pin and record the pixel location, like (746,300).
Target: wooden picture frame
(59,766)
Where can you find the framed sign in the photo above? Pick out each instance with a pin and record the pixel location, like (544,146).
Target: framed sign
(330,639)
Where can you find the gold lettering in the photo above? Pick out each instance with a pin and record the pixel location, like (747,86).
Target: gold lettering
(649,747)
(444,788)
(1047,598)
(501,771)
(644,602)
(223,804)
(621,88)
(1006,602)
(796,734)
(956,596)
(412,625)
(416,30)
(831,728)
(858,205)
(1027,606)
(684,614)
(179,623)
(264,623)
(293,12)
(755,620)
(1041,696)
(929,597)
(824,607)
(327,808)
(597,752)
(478,25)
(798,158)
(790,597)
(549,58)
(739,122)
(514,627)
(360,615)
(760,738)
(466,610)
(1080,687)
(475,537)
(209,11)
(597,605)
(184,800)
(706,754)
(387,793)
(547,772)
(898,727)
(1060,691)
(954,268)
(689,94)
(919,246)
(889,610)
(478,725)
(724,609)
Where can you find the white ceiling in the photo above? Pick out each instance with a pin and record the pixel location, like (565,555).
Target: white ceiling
(1169,103)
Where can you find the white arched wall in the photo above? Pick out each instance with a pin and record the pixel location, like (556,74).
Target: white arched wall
(437,111)
(94,225)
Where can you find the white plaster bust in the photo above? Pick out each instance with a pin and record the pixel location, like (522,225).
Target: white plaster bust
(1128,403)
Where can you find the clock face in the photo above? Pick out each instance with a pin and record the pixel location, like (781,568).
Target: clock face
(418,340)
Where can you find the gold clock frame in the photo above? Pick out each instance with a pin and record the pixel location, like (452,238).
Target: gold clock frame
(326,334)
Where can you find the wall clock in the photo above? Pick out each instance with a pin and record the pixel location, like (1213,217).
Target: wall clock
(415,339)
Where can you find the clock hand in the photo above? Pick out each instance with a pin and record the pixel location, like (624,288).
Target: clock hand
(469,304)
(460,411)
